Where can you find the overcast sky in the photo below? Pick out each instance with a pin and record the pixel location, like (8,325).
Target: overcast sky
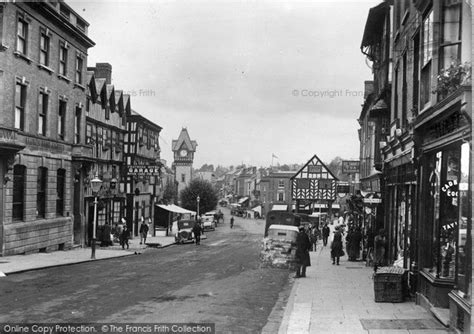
(246,78)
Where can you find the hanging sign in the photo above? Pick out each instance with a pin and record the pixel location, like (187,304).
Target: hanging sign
(350,167)
(372,200)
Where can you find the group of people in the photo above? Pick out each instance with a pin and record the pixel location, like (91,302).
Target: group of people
(306,240)
(121,233)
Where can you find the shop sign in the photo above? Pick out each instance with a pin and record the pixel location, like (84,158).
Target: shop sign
(350,167)
(446,126)
(45,145)
(343,189)
(7,135)
(143,170)
(450,188)
(372,200)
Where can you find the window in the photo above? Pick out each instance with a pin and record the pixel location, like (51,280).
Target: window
(450,47)
(77,125)
(446,209)
(41,192)
(281,196)
(105,135)
(107,113)
(100,138)
(325,184)
(395,93)
(79,65)
(20,101)
(19,178)
(404,119)
(426,60)
(88,104)
(44,49)
(64,11)
(60,183)
(22,36)
(183,177)
(63,59)
(89,139)
(281,183)
(416,64)
(61,118)
(463,276)
(42,113)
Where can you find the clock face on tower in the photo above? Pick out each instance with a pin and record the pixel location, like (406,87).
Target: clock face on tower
(183,153)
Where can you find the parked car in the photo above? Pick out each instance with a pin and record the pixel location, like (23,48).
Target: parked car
(208,221)
(185,231)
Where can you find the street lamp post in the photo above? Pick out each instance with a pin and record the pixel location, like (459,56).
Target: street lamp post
(96,183)
(197,199)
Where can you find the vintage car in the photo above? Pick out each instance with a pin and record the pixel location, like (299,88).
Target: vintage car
(185,231)
(278,247)
(208,221)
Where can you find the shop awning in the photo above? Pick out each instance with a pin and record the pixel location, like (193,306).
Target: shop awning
(243,199)
(258,209)
(279,207)
(174,208)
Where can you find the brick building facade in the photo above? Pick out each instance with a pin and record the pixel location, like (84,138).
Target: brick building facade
(43,49)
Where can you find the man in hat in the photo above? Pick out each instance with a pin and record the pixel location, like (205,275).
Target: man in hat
(303,245)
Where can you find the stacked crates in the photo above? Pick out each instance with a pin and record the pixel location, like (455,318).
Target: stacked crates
(388,284)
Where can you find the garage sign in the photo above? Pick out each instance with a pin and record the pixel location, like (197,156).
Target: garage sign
(143,170)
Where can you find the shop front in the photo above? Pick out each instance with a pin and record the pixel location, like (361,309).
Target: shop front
(445,214)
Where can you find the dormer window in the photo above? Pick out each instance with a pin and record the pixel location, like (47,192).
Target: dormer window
(64,11)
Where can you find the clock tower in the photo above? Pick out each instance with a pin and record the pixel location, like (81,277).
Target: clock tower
(183,149)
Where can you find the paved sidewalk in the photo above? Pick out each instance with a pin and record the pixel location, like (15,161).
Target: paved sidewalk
(340,299)
(20,263)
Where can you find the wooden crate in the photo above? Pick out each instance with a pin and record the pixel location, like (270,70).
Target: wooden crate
(388,287)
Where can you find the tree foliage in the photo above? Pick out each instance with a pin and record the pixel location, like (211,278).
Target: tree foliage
(170,193)
(205,191)
(335,166)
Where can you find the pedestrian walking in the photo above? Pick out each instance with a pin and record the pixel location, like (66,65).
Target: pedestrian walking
(143,231)
(313,237)
(197,230)
(302,258)
(232,222)
(124,237)
(380,244)
(325,234)
(336,246)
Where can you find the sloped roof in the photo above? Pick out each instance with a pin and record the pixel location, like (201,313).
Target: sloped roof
(184,139)
(99,84)
(315,161)
(90,79)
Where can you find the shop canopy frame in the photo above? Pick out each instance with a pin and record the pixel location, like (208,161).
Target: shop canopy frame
(175,208)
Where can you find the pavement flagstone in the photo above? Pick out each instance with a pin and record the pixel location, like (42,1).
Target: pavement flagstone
(340,299)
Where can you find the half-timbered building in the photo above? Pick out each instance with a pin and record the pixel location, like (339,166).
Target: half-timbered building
(313,184)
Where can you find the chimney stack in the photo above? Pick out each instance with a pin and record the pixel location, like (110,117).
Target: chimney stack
(102,71)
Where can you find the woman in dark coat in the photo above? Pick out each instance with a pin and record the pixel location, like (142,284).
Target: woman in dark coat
(303,245)
(355,244)
(336,247)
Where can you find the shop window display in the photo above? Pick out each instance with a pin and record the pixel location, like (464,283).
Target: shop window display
(448,211)
(463,277)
